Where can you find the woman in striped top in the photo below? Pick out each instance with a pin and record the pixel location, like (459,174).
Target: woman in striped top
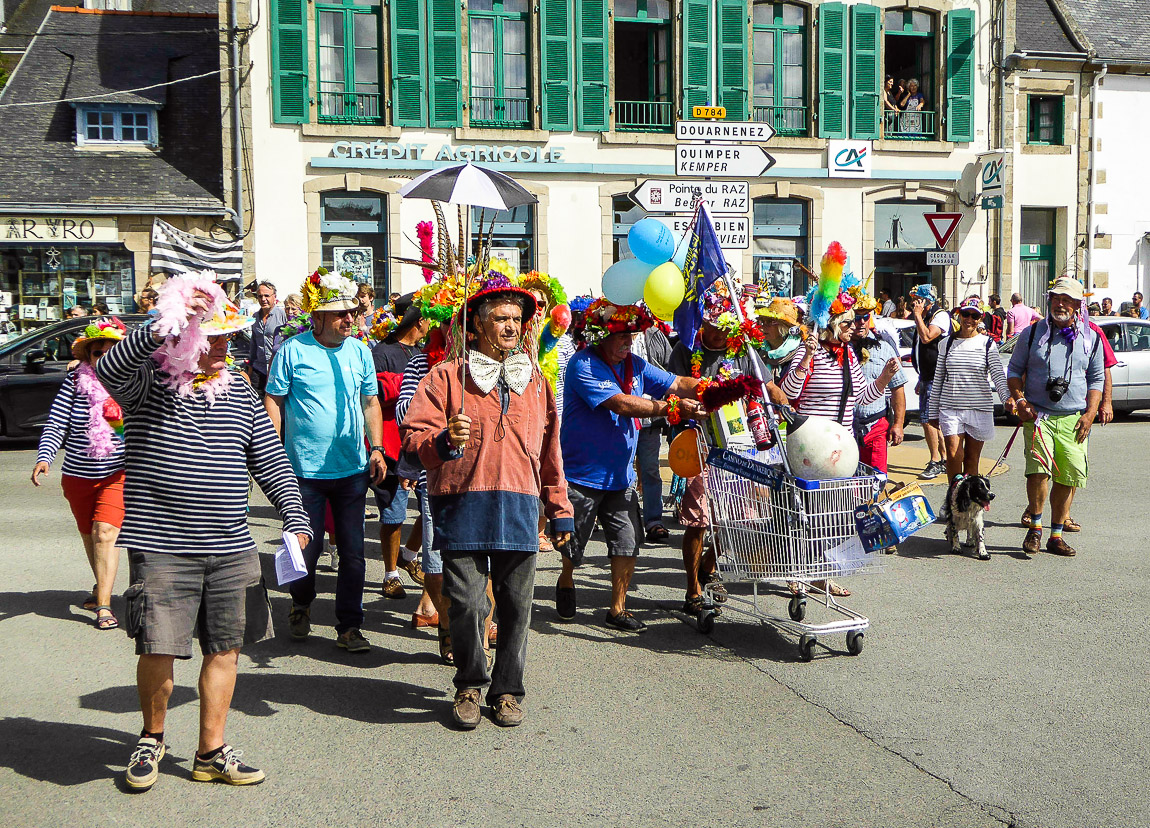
(961,401)
(86,422)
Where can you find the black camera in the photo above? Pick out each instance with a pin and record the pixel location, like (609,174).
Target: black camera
(1056,388)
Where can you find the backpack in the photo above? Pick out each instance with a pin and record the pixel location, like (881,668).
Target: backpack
(994,326)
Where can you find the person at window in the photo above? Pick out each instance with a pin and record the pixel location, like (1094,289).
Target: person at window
(93,472)
(888,94)
(1108,307)
(1136,305)
(269,319)
(912,100)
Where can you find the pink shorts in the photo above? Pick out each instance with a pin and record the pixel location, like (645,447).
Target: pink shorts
(693,508)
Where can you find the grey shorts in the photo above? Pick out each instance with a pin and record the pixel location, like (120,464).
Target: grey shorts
(220,599)
(617,511)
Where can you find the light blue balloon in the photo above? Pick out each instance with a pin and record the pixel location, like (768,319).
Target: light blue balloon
(680,257)
(624,281)
(651,240)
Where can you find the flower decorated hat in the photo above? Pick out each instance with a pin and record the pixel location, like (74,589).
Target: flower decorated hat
(498,283)
(102,330)
(327,291)
(603,318)
(780,308)
(228,319)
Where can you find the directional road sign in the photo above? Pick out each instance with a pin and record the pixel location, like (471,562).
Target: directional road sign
(734,160)
(734,232)
(751,131)
(942,225)
(666,195)
(941,257)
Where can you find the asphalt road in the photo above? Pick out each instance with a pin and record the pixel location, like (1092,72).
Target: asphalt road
(1011,692)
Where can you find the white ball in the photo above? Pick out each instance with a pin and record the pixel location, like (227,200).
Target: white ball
(821,449)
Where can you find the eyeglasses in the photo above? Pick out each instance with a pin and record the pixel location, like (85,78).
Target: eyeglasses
(970,314)
(348,313)
(862,317)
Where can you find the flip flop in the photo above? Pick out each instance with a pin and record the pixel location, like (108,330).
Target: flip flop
(106,622)
(90,603)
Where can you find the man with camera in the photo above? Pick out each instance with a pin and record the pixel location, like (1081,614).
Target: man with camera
(1056,378)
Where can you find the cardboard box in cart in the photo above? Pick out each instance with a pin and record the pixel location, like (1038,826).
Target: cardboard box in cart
(889,522)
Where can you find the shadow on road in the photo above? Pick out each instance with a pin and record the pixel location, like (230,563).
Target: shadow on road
(61,604)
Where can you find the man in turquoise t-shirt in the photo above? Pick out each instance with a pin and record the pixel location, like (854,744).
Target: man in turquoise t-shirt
(321,396)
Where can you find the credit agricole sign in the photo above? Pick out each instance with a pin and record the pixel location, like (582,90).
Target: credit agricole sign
(492,153)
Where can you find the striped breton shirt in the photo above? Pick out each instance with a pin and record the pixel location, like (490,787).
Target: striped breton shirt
(186,485)
(67,427)
(822,392)
(961,377)
(417,368)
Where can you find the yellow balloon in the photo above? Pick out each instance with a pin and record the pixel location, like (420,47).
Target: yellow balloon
(664,290)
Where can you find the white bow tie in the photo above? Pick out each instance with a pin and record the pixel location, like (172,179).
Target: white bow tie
(485,371)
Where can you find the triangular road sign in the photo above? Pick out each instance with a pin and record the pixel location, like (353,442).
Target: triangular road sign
(942,225)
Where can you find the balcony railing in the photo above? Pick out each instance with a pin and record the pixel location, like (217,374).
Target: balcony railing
(643,116)
(349,108)
(787,120)
(500,113)
(914,125)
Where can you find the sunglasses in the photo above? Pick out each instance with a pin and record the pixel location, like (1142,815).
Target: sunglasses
(350,314)
(970,314)
(862,317)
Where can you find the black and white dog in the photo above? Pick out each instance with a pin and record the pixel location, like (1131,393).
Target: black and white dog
(967,499)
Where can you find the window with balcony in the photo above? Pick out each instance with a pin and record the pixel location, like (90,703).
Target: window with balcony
(1044,119)
(779,58)
(104,124)
(349,66)
(499,37)
(910,112)
(643,66)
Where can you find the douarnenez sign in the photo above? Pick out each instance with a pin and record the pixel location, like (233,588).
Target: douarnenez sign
(491,153)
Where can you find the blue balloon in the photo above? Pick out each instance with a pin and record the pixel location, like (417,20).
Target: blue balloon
(651,240)
(680,256)
(624,281)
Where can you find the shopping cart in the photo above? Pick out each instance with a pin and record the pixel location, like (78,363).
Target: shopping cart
(771,527)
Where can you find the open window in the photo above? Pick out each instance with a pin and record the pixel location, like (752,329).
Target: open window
(643,66)
(910,108)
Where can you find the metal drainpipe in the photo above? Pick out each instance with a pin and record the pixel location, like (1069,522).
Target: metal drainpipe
(237,120)
(1002,139)
(1090,181)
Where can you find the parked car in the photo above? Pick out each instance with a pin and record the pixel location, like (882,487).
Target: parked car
(1130,378)
(33,367)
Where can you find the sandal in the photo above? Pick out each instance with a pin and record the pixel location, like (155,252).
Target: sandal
(106,622)
(657,532)
(445,653)
(545,544)
(1071,525)
(90,603)
(831,588)
(493,636)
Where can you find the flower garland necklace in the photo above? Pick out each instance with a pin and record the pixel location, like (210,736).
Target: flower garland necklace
(105,417)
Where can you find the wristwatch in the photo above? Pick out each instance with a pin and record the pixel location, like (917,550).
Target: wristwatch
(379,449)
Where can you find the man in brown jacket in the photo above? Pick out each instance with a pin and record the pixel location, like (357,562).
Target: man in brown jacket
(486,472)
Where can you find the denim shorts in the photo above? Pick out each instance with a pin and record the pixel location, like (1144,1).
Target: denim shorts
(432,558)
(924,404)
(395,511)
(220,599)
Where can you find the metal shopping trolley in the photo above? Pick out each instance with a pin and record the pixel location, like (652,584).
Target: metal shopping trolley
(769,526)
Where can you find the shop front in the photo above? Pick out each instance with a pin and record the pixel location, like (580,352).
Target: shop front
(50,265)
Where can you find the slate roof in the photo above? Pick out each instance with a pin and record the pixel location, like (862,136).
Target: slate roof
(81,53)
(1111,30)
(1038,29)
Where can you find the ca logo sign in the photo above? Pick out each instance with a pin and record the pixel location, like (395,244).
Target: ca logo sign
(992,172)
(850,157)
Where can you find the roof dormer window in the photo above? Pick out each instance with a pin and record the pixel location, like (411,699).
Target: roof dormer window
(129,125)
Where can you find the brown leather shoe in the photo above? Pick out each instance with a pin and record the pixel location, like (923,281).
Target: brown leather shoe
(392,588)
(413,569)
(465,711)
(506,711)
(1033,539)
(1057,546)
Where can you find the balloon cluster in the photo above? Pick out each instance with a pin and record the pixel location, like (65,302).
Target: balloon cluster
(652,276)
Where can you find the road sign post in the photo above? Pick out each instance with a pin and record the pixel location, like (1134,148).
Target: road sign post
(666,195)
(733,160)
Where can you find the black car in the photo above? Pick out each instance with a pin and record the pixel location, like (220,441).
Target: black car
(33,367)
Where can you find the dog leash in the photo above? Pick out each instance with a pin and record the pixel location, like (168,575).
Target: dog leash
(1005,451)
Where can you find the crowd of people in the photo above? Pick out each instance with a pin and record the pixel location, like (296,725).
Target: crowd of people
(518,420)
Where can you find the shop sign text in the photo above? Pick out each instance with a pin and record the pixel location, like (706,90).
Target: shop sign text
(22,228)
(491,153)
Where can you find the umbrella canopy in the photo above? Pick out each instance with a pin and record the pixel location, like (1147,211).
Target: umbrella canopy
(469,184)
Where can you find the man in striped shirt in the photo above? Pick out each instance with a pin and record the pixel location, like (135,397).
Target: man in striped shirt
(191,438)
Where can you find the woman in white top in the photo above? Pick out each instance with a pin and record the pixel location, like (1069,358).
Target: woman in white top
(961,401)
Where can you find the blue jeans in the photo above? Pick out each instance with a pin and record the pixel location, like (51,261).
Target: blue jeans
(348,499)
(647,453)
(432,558)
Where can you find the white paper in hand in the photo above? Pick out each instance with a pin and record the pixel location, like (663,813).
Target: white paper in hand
(289,560)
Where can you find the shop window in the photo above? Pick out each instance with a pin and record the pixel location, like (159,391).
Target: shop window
(781,230)
(1044,119)
(115,125)
(500,57)
(48,280)
(348,43)
(779,58)
(1036,256)
(353,238)
(643,66)
(624,213)
(910,112)
(901,241)
(512,235)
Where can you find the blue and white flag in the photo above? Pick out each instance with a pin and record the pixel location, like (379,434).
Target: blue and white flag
(704,264)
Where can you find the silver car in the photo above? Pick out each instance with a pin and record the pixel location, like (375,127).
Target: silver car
(1130,339)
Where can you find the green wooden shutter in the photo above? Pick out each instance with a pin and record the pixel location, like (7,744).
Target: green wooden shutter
(445,75)
(866,77)
(696,55)
(591,23)
(733,88)
(408,101)
(290,100)
(960,75)
(832,71)
(555,29)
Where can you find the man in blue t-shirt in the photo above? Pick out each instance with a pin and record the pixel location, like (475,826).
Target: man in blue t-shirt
(603,392)
(322,395)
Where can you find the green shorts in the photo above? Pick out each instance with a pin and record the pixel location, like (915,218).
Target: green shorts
(1058,440)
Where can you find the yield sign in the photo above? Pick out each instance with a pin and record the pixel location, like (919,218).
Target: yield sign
(942,225)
